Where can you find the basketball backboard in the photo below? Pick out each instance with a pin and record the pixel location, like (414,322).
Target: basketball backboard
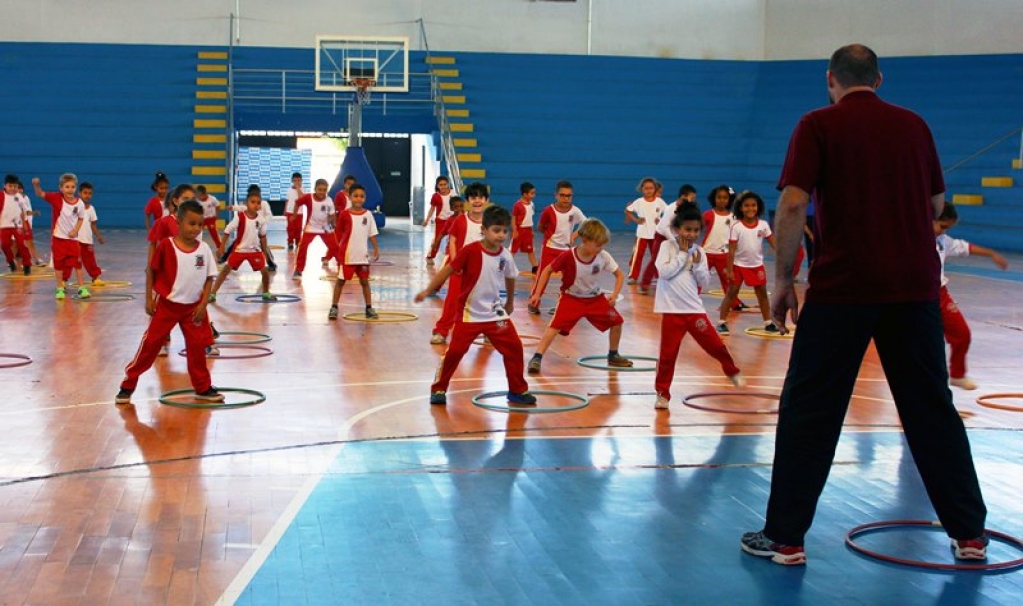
(340,60)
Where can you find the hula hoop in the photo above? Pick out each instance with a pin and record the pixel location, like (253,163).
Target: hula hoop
(381,263)
(863,529)
(763,334)
(743,292)
(687,401)
(260,337)
(23,360)
(110,284)
(281,298)
(258,398)
(385,316)
(263,352)
(335,277)
(983,401)
(484,343)
(585,362)
(477,400)
(527,274)
(35,275)
(276,247)
(104,298)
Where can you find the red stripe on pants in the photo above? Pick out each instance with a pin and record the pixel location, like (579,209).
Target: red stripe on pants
(11,238)
(502,336)
(449,314)
(651,270)
(637,257)
(547,256)
(674,328)
(294,223)
(210,223)
(197,338)
(438,234)
(89,261)
(303,249)
(957,333)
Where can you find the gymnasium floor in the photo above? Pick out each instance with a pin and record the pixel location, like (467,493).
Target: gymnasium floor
(346,486)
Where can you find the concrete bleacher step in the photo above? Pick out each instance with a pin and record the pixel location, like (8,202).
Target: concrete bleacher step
(967,199)
(996,182)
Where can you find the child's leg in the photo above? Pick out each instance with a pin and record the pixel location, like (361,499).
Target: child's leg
(6,237)
(614,337)
(546,340)
(303,250)
(532,259)
(366,294)
(637,258)
(331,241)
(211,227)
(651,269)
(506,341)
(957,333)
(339,286)
(547,256)
(450,311)
(89,261)
(706,337)
(197,338)
(762,301)
(224,271)
(78,277)
(265,272)
(160,325)
(461,339)
(672,332)
(730,296)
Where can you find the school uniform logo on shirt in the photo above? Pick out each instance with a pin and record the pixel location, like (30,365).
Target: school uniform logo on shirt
(365,221)
(200,261)
(501,265)
(595,270)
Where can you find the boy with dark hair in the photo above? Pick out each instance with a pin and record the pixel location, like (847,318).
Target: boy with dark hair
(522,224)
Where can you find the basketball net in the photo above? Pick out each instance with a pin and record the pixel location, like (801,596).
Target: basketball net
(363,89)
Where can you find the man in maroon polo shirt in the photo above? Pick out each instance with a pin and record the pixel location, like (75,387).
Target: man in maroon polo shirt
(878,185)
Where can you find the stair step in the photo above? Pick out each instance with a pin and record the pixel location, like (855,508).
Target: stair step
(211,94)
(444,72)
(216,188)
(209,138)
(1016,163)
(474,173)
(222,55)
(458,113)
(435,60)
(210,67)
(462,127)
(470,157)
(450,85)
(211,109)
(208,154)
(464,142)
(209,170)
(211,81)
(454,99)
(967,199)
(996,182)
(221,124)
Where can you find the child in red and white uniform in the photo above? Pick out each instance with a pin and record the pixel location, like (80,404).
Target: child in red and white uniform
(522,224)
(557,223)
(167,225)
(342,200)
(486,267)
(746,258)
(265,213)
(87,235)
(644,212)
(717,225)
(27,235)
(155,206)
(320,218)
(581,296)
(662,232)
(355,227)
(12,230)
(210,207)
(68,220)
(461,231)
(441,207)
(179,277)
(957,331)
(292,216)
(250,247)
(682,270)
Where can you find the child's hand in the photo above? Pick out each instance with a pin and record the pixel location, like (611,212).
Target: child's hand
(611,299)
(200,313)
(534,301)
(509,306)
(100,240)
(421,296)
(641,220)
(35,180)
(696,256)
(376,254)
(150,306)
(426,222)
(999,260)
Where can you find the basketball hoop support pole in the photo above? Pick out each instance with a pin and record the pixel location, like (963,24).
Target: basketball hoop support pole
(355,122)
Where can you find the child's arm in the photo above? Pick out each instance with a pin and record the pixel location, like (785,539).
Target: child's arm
(262,245)
(509,300)
(699,268)
(429,216)
(729,269)
(435,283)
(619,281)
(990,253)
(808,232)
(541,284)
(770,240)
(452,247)
(78,227)
(39,190)
(95,230)
(376,249)
(669,264)
(150,302)
(629,218)
(200,310)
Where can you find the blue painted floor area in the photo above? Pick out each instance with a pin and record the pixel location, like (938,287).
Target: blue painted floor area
(620,521)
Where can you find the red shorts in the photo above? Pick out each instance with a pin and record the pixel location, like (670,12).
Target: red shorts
(751,276)
(596,310)
(524,241)
(66,254)
(358,271)
(257,260)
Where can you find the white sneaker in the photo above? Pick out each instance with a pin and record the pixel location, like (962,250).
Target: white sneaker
(438,339)
(738,380)
(212,351)
(963,383)
(661,403)
(164,352)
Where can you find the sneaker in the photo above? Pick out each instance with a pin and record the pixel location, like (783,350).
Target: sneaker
(164,352)
(83,293)
(291,247)
(97,283)
(738,380)
(534,366)
(212,351)
(522,399)
(631,281)
(533,310)
(755,543)
(438,398)
(267,296)
(963,383)
(27,270)
(429,261)
(212,298)
(438,339)
(297,275)
(216,333)
(60,293)
(271,266)
(740,306)
(372,314)
(971,549)
(40,263)
(619,361)
(723,329)
(661,403)
(210,395)
(123,397)
(770,327)
(325,265)
(332,314)
(643,290)
(10,265)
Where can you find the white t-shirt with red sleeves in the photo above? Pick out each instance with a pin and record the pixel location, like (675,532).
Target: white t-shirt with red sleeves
(10,214)
(950,247)
(716,231)
(341,201)
(85,234)
(465,231)
(664,223)
(582,278)
(210,206)
(484,276)
(442,206)
(318,213)
(559,226)
(749,242)
(355,229)
(650,211)
(26,206)
(65,215)
(680,279)
(523,212)
(249,230)
(293,196)
(180,275)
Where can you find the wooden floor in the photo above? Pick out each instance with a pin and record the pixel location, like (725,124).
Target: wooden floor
(157,504)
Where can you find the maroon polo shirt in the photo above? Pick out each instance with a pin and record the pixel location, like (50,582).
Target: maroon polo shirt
(873,168)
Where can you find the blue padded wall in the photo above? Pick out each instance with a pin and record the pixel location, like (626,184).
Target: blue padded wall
(270,168)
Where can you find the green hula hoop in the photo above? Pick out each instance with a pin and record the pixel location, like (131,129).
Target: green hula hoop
(258,398)
(585,362)
(477,400)
(260,338)
(104,298)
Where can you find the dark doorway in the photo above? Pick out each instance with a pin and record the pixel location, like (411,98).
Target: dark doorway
(391,160)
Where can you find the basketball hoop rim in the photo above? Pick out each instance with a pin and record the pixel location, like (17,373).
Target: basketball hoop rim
(364,83)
